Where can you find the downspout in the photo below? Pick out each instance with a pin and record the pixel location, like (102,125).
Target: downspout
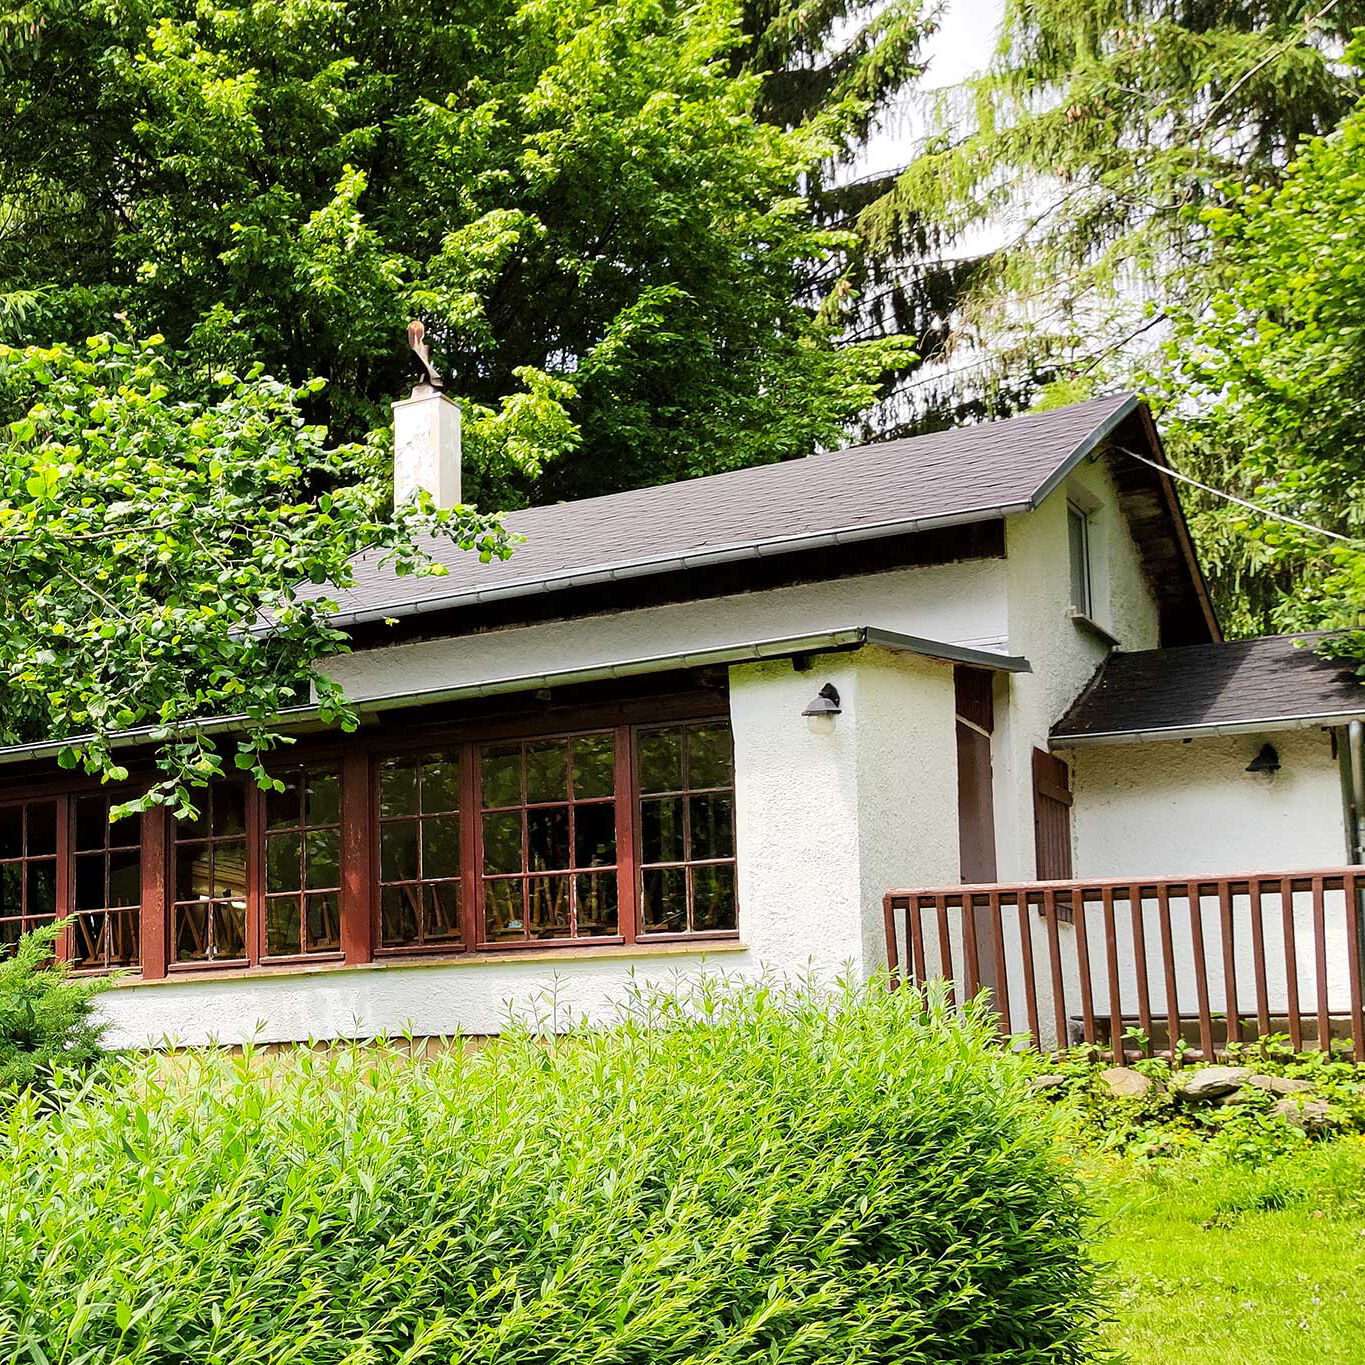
(1355,774)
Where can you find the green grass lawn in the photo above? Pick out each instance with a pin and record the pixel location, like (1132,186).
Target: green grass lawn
(1257,1265)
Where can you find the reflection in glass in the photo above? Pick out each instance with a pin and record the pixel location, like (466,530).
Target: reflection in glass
(594,766)
(661,761)
(663,908)
(502,775)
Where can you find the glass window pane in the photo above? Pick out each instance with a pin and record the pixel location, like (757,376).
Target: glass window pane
(713,825)
(283,862)
(323,919)
(663,908)
(502,842)
(596,908)
(713,897)
(42,828)
(398,851)
(661,761)
(661,830)
(229,930)
(710,757)
(441,847)
(441,785)
(398,916)
(398,787)
(281,926)
(11,888)
(11,831)
(594,834)
(594,766)
(547,838)
(442,913)
(548,915)
(547,770)
(125,949)
(229,807)
(90,882)
(197,826)
(502,909)
(322,798)
(88,939)
(126,833)
(502,775)
(284,810)
(10,932)
(92,822)
(125,877)
(229,869)
(323,865)
(42,888)
(192,880)
(192,932)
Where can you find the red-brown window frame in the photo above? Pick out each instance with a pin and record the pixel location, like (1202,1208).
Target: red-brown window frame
(359,757)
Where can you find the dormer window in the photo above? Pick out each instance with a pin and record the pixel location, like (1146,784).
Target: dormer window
(1078,533)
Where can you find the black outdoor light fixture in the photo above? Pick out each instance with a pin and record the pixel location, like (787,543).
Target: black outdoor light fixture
(1267,761)
(825,702)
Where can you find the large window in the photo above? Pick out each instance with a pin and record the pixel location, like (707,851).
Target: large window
(28,868)
(549,840)
(209,917)
(419,852)
(612,835)
(303,864)
(687,829)
(107,907)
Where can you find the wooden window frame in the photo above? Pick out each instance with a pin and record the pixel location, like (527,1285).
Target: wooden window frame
(1079,565)
(75,852)
(687,864)
(358,758)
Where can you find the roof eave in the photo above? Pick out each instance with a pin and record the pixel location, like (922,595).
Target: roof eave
(837,640)
(1205,730)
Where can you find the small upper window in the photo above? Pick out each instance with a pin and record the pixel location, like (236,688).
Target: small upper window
(1078,532)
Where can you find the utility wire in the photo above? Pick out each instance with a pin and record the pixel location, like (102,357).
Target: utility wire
(1241,502)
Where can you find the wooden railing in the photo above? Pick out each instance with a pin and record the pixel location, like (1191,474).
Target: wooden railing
(1138,967)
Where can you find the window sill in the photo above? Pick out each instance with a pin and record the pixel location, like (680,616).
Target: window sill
(675,948)
(1091,627)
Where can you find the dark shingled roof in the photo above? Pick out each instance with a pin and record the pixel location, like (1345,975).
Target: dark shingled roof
(966,474)
(1240,683)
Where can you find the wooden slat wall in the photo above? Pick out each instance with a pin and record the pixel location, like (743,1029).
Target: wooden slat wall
(1052,817)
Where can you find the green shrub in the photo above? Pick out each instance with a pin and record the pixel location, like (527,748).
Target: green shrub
(46,1025)
(761,1175)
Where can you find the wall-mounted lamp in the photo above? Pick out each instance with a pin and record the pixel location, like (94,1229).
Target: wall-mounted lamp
(1267,761)
(825,702)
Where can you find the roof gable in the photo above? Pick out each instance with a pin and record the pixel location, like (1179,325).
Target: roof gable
(860,493)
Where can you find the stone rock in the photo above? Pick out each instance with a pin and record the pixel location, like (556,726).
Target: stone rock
(1127,1083)
(1209,1082)
(1279,1085)
(1049,1086)
(1305,1114)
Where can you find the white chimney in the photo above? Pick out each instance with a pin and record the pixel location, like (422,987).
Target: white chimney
(426,446)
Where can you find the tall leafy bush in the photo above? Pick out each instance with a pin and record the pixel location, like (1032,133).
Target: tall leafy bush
(769,1175)
(46,1022)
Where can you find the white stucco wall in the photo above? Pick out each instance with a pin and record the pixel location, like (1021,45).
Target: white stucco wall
(1170,809)
(829,815)
(1064,655)
(961,603)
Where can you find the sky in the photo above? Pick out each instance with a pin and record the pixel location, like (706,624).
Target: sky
(961,46)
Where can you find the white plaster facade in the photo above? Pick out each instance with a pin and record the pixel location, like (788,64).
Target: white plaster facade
(830,813)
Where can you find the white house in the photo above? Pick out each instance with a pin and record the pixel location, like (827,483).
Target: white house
(719,721)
